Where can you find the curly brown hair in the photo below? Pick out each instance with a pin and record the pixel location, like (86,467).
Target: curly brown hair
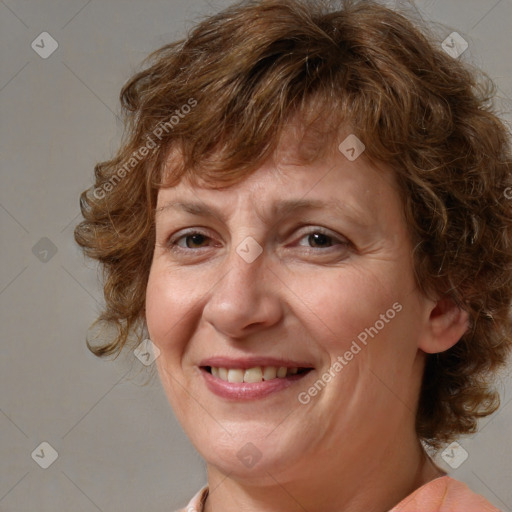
(213,106)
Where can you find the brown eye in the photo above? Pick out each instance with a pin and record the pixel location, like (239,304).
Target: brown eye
(318,239)
(190,240)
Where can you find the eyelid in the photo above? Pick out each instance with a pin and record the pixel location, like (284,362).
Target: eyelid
(171,240)
(311,229)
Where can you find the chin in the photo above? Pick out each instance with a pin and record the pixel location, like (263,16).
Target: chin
(250,454)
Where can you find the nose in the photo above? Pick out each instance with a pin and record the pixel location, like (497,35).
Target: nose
(246,299)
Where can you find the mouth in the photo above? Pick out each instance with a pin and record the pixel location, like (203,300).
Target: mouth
(254,374)
(248,380)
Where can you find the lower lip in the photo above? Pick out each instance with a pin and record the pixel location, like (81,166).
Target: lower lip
(248,390)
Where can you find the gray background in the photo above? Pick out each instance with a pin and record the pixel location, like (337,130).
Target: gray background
(119,445)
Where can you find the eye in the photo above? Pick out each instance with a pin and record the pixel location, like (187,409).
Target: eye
(319,239)
(190,240)
(315,239)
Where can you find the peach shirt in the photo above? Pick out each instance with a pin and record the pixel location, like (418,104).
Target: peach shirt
(443,494)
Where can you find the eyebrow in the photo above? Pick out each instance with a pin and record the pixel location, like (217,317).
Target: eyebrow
(280,209)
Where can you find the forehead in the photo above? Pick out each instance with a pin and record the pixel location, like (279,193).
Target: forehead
(284,185)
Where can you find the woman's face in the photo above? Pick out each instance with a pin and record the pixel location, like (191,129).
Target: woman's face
(299,282)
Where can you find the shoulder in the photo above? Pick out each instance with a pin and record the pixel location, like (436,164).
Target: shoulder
(444,494)
(197,502)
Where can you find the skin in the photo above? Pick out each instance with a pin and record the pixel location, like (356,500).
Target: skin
(353,447)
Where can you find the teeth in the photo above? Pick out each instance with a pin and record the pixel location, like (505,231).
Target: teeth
(256,374)
(269,373)
(253,375)
(281,372)
(235,375)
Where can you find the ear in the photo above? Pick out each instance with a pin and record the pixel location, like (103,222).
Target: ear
(447,323)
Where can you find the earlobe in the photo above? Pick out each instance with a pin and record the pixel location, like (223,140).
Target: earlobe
(447,324)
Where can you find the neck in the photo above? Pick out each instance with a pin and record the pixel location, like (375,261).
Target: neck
(369,484)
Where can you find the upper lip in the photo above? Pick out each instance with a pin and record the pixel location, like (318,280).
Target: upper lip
(251,362)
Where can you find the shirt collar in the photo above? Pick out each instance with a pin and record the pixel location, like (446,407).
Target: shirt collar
(197,502)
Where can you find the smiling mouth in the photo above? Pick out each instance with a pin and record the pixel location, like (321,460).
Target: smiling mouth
(255,374)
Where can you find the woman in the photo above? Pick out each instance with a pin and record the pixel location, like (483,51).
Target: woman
(307,217)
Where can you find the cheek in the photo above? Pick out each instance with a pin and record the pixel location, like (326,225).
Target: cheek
(374,326)
(174,304)
(341,305)
(156,305)
(167,306)
(164,309)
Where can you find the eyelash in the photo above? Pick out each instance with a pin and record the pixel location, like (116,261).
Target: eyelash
(173,246)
